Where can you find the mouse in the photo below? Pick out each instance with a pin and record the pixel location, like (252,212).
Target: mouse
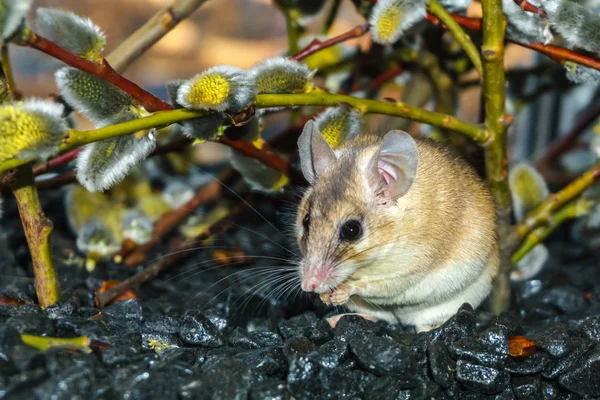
(394,227)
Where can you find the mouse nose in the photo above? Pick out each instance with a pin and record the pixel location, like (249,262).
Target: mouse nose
(308,285)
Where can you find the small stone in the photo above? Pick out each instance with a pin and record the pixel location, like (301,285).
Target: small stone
(61,310)
(128,309)
(459,326)
(26,358)
(77,380)
(527,387)
(566,299)
(527,366)
(190,356)
(308,325)
(33,324)
(579,347)
(196,329)
(354,326)
(298,345)
(383,356)
(162,324)
(507,324)
(591,328)
(253,340)
(387,387)
(554,340)
(584,379)
(121,352)
(270,389)
(159,341)
(268,362)
(9,338)
(301,376)
(441,365)
(483,379)
(331,354)
(490,348)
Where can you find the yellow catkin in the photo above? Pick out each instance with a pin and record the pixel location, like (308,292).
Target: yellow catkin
(388,23)
(20,131)
(334,131)
(210,89)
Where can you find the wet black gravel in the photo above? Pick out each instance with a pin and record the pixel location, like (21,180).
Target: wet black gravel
(201,333)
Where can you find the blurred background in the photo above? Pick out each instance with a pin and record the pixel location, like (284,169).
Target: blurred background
(243,32)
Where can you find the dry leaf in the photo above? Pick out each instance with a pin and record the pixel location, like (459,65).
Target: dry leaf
(106,285)
(520,346)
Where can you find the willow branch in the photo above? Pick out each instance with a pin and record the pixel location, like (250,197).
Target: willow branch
(44,343)
(103,70)
(331,15)
(527,6)
(572,210)
(317,45)
(543,213)
(8,73)
(496,158)
(37,229)
(291,24)
(151,32)
(559,54)
(461,37)
(366,106)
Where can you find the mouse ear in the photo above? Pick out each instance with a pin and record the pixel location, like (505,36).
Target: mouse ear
(395,164)
(315,153)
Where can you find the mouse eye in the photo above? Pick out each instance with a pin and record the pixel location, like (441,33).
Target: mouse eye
(306,222)
(351,230)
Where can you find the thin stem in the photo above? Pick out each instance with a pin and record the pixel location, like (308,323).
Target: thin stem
(333,12)
(496,160)
(56,162)
(37,229)
(77,138)
(317,45)
(151,32)
(103,70)
(543,213)
(44,343)
(291,24)
(572,210)
(8,74)
(527,6)
(461,37)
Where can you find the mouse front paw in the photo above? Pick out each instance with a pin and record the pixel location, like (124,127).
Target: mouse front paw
(338,296)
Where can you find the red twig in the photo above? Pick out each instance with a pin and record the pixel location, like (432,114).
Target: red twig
(564,144)
(317,45)
(150,102)
(559,54)
(525,5)
(56,162)
(385,77)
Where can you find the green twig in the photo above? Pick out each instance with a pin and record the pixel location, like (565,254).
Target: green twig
(291,24)
(459,34)
(553,202)
(77,138)
(44,343)
(333,12)
(574,209)
(8,74)
(37,229)
(496,161)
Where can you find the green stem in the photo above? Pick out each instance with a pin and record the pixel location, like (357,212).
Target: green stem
(333,12)
(574,209)
(291,23)
(43,343)
(7,68)
(553,202)
(496,161)
(459,34)
(77,138)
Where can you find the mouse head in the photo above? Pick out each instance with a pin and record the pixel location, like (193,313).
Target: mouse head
(344,217)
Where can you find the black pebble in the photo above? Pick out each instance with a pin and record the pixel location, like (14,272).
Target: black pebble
(441,365)
(584,378)
(483,379)
(383,356)
(490,348)
(196,329)
(308,325)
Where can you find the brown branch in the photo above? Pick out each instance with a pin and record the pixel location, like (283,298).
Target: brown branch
(317,45)
(177,254)
(56,162)
(57,181)
(151,32)
(150,102)
(170,220)
(527,6)
(559,54)
(566,143)
(37,229)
